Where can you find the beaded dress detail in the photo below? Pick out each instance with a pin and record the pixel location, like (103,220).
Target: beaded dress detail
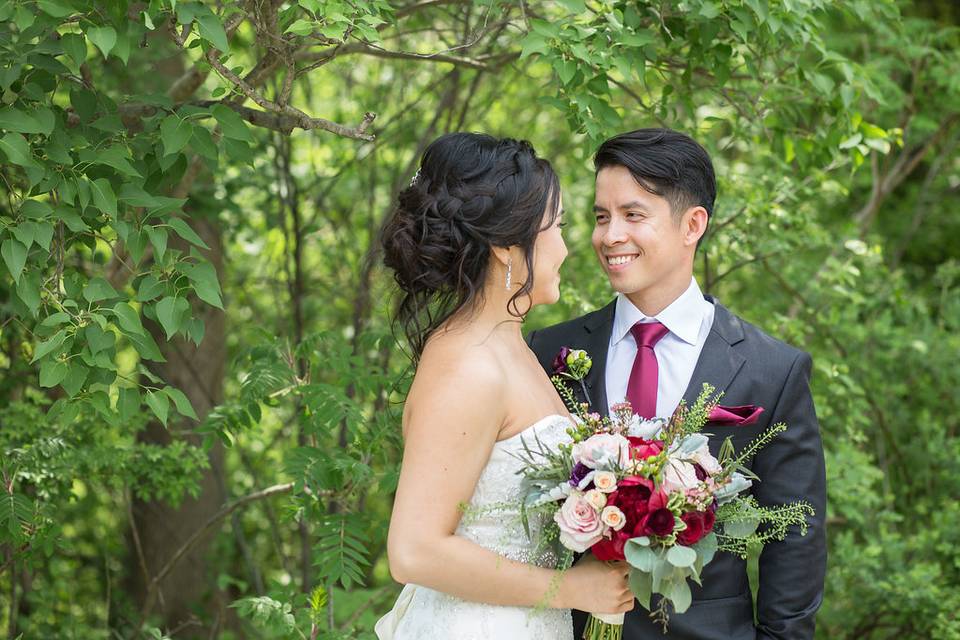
(492,521)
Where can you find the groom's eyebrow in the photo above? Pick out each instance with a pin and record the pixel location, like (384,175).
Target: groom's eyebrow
(633,204)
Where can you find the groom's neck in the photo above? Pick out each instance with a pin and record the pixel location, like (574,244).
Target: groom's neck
(660,295)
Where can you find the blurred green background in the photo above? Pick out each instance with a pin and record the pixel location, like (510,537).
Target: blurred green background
(199,386)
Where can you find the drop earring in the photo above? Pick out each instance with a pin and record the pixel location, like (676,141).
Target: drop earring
(509,272)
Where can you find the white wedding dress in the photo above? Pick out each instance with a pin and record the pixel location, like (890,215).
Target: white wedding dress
(425,614)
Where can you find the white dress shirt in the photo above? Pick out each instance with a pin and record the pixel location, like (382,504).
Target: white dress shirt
(688,320)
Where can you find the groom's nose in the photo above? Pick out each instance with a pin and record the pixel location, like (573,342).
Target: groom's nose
(616,232)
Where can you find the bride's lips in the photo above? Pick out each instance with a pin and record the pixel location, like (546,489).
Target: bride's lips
(620,261)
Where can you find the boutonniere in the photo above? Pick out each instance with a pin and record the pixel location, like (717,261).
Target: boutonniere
(571,365)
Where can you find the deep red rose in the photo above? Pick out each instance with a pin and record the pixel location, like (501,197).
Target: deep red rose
(694,531)
(611,549)
(641,449)
(699,524)
(632,495)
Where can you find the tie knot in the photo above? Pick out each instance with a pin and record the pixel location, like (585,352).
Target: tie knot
(648,334)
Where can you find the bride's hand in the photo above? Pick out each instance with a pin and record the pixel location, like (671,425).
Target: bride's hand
(598,587)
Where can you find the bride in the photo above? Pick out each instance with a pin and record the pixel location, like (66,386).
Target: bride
(474,243)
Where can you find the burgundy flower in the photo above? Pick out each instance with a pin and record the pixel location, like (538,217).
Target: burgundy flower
(699,524)
(560,361)
(611,548)
(700,471)
(658,520)
(694,530)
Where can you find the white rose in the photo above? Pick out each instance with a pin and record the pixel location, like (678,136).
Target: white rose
(596,499)
(605,481)
(613,517)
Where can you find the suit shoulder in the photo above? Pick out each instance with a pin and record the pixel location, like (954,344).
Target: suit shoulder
(759,340)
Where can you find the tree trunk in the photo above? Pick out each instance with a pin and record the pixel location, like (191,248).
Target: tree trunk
(189,598)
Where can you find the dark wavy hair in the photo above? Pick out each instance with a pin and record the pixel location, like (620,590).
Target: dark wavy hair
(472,192)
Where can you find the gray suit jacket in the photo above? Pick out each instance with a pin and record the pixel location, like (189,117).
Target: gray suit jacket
(749,367)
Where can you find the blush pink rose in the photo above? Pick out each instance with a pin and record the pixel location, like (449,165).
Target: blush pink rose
(603,450)
(580,524)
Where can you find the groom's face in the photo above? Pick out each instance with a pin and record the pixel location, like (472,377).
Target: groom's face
(636,237)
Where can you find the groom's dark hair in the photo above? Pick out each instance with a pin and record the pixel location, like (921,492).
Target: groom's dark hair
(666,163)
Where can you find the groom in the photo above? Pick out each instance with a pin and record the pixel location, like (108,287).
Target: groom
(660,340)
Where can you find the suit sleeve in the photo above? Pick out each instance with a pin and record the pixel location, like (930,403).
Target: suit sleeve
(792,468)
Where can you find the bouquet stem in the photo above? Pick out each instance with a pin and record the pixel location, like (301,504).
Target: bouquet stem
(599,630)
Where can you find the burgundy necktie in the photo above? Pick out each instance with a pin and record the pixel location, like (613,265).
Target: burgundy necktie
(642,385)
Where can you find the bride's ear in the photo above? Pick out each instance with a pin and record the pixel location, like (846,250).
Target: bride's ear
(502,255)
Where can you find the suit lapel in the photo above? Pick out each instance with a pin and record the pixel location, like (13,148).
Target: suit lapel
(598,328)
(719,362)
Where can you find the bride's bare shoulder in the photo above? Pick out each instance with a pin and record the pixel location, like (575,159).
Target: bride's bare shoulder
(455,368)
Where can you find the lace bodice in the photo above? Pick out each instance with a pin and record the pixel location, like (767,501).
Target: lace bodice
(492,520)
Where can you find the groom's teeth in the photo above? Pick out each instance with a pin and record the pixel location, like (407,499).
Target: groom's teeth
(614,261)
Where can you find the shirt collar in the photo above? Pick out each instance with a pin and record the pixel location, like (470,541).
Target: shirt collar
(682,317)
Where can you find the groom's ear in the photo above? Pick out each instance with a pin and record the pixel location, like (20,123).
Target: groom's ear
(693,224)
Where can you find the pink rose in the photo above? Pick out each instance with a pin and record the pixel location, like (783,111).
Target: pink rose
(580,524)
(705,459)
(603,450)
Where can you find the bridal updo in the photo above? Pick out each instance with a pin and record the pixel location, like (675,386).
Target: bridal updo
(472,192)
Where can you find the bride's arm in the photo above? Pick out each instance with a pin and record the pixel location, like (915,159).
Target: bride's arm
(452,419)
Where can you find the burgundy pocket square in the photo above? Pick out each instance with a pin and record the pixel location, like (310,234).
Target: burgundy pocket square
(735,416)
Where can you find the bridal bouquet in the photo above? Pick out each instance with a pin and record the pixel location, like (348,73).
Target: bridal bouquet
(648,492)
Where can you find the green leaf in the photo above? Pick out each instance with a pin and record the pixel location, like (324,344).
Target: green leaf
(202,143)
(52,373)
(17,151)
(76,376)
(128,403)
(184,231)
(169,313)
(97,339)
(680,595)
(231,124)
(15,256)
(28,290)
(301,27)
(98,289)
(175,133)
(15,120)
(741,528)
(55,320)
(104,38)
(639,556)
(149,288)
(182,402)
(50,345)
(103,196)
(43,234)
(129,319)
(681,556)
(203,277)
(117,157)
(55,8)
(35,209)
(212,31)
(641,584)
(158,238)
(159,403)
(75,46)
